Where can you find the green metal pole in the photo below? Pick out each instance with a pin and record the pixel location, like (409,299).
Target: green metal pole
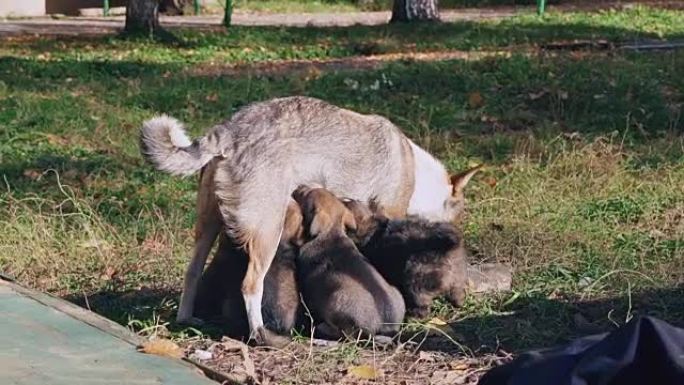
(105,8)
(196,3)
(541,4)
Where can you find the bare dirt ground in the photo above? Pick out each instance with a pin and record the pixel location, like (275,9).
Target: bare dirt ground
(345,363)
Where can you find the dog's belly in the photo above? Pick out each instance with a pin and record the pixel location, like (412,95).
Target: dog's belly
(375,176)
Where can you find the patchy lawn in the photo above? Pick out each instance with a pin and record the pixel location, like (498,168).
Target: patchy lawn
(583,193)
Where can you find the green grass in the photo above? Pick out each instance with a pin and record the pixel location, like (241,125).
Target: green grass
(583,193)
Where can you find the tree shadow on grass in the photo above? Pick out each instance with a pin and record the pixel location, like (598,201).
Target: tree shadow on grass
(331,42)
(146,310)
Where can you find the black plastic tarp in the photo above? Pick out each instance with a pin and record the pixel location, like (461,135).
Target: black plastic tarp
(645,351)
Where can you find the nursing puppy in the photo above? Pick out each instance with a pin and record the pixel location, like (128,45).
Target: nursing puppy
(423,259)
(258,157)
(220,296)
(340,288)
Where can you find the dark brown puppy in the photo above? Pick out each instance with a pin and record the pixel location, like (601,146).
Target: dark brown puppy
(423,259)
(341,289)
(220,295)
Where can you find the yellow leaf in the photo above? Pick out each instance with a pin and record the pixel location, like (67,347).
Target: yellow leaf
(365,372)
(475,100)
(162,347)
(491,181)
(437,322)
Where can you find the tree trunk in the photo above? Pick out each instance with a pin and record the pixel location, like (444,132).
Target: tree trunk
(414,10)
(228,13)
(142,16)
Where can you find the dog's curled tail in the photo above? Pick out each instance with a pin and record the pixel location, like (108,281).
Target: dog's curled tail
(164,143)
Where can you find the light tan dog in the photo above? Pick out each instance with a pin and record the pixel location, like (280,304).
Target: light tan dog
(258,157)
(340,288)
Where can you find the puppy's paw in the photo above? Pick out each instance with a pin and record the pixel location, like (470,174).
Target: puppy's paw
(190,321)
(456,296)
(384,341)
(265,337)
(419,312)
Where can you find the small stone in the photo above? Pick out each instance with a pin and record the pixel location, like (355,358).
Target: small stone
(201,355)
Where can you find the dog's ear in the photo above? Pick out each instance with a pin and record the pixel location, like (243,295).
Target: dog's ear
(320,223)
(459,181)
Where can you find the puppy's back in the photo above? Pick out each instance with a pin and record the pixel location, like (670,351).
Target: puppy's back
(346,290)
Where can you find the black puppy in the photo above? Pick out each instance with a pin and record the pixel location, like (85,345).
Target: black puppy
(423,259)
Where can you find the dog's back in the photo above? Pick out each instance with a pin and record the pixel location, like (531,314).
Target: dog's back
(339,286)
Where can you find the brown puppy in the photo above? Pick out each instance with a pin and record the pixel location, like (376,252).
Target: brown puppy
(423,259)
(220,295)
(341,289)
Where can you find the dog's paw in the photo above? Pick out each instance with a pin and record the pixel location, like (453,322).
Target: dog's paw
(190,321)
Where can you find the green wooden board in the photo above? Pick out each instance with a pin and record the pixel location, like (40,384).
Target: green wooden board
(47,341)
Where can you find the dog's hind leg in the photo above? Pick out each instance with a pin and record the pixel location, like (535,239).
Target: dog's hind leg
(209,223)
(261,247)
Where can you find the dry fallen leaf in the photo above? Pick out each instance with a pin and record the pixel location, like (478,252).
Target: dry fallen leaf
(459,365)
(109,273)
(32,174)
(437,322)
(161,347)
(365,372)
(490,181)
(475,100)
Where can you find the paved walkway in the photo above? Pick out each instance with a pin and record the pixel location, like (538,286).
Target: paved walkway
(46,340)
(107,25)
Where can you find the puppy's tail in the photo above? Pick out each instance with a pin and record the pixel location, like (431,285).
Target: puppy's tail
(164,144)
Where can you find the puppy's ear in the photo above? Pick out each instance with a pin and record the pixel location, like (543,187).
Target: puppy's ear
(459,181)
(299,192)
(378,211)
(348,220)
(320,223)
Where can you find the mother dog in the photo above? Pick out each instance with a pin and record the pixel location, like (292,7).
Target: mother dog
(269,148)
